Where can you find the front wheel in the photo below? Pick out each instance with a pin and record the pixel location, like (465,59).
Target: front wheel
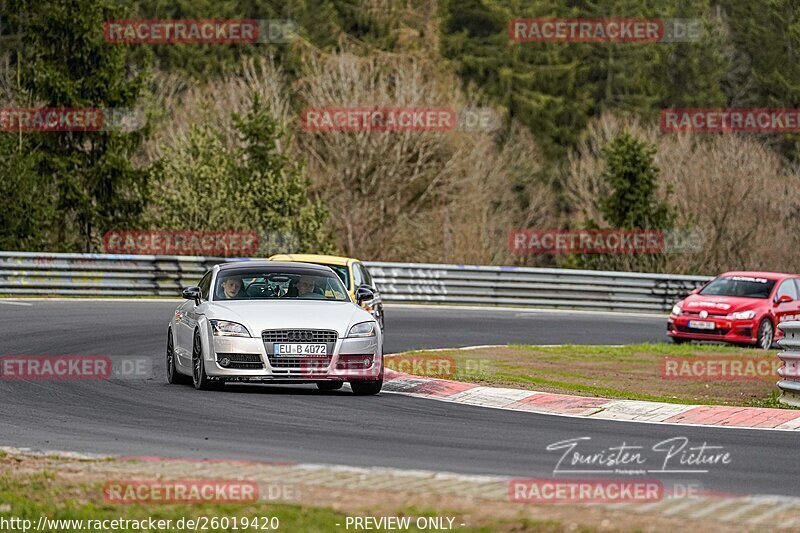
(366,388)
(678,340)
(766,334)
(199,377)
(173,376)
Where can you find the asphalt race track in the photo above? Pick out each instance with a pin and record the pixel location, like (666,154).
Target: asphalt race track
(298,423)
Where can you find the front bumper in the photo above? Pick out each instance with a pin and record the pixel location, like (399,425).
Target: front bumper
(725,330)
(252,359)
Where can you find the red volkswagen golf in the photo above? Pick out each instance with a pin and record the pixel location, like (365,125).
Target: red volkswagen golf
(737,307)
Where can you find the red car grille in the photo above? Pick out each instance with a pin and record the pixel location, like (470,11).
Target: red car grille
(693,314)
(716,331)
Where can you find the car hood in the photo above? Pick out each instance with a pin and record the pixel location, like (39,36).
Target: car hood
(280,314)
(720,305)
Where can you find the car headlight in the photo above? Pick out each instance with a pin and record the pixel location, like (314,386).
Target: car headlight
(676,310)
(223,328)
(362,329)
(742,315)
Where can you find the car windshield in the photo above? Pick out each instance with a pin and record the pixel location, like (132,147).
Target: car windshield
(279,285)
(741,286)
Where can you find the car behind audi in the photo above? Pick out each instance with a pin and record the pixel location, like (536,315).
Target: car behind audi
(267,321)
(737,307)
(353,273)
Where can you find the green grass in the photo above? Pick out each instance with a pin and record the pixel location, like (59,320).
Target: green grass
(41,494)
(628,372)
(616,353)
(608,392)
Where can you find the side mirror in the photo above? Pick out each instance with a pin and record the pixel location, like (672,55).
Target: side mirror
(784,299)
(364,294)
(192,293)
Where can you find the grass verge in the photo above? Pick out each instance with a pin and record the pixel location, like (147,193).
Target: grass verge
(72,506)
(35,487)
(634,372)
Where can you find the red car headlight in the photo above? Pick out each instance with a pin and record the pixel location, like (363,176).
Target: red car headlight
(742,315)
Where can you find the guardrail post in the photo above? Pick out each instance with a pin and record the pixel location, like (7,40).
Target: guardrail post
(789,371)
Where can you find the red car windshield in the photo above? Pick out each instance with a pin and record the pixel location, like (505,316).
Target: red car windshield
(739,286)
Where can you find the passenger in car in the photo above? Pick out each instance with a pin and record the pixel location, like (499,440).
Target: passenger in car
(232,288)
(306,289)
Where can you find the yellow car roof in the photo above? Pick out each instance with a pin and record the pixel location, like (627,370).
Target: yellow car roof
(314,258)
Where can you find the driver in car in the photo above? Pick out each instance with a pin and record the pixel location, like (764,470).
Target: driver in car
(232,287)
(305,289)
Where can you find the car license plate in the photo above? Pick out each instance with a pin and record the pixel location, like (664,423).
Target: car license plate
(301,349)
(701,324)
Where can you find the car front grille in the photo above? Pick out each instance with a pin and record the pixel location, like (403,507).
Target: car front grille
(242,361)
(299,335)
(303,365)
(299,366)
(716,331)
(690,314)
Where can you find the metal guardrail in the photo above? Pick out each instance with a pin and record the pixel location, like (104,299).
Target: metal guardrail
(29,273)
(789,371)
(539,287)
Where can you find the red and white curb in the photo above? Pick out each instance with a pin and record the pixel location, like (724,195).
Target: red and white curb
(588,407)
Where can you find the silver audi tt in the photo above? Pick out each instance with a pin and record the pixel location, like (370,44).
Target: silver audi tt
(267,321)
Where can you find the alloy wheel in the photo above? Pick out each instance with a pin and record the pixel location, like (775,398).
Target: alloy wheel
(765,334)
(197,362)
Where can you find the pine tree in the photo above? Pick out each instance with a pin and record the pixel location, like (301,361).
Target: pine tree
(539,84)
(66,63)
(28,212)
(632,203)
(251,187)
(632,176)
(766,35)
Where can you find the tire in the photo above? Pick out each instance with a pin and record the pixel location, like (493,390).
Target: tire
(173,376)
(329,385)
(199,377)
(366,388)
(766,334)
(678,340)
